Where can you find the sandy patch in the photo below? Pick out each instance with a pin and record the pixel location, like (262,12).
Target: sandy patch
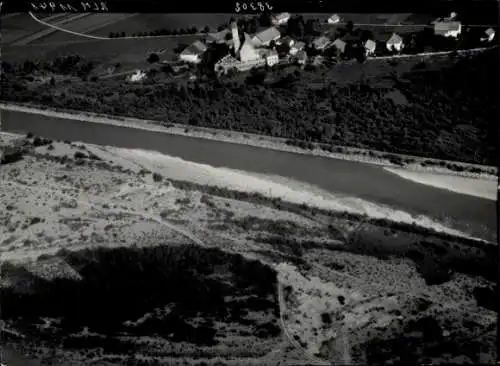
(484,188)
(284,188)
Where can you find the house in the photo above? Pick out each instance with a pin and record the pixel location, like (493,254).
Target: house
(370,47)
(340,45)
(280,19)
(139,75)
(289,41)
(321,43)
(297,46)
(489,35)
(247,51)
(265,37)
(394,43)
(270,56)
(218,37)
(301,57)
(193,52)
(447,28)
(334,19)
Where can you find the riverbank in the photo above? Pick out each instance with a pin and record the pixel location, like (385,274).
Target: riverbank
(411,163)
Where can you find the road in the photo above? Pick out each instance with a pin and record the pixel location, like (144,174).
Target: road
(340,177)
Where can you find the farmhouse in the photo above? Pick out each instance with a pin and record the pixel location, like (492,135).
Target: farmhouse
(340,45)
(321,43)
(489,35)
(370,47)
(218,37)
(193,52)
(297,46)
(394,43)
(334,19)
(281,19)
(265,37)
(447,28)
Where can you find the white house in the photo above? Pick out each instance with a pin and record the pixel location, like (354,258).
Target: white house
(370,47)
(139,75)
(281,19)
(193,52)
(334,19)
(265,37)
(489,35)
(321,43)
(395,42)
(297,46)
(447,28)
(340,45)
(270,56)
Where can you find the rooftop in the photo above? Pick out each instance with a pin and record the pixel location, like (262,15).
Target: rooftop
(394,39)
(447,26)
(268,34)
(196,48)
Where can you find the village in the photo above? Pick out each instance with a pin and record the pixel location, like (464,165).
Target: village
(291,40)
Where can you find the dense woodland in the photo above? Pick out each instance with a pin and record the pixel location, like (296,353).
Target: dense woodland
(450,113)
(174,284)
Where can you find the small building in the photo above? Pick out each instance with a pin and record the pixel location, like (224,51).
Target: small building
(280,19)
(218,37)
(194,52)
(139,75)
(370,47)
(297,46)
(334,19)
(489,35)
(447,28)
(289,41)
(321,43)
(270,56)
(394,43)
(265,37)
(340,45)
(301,57)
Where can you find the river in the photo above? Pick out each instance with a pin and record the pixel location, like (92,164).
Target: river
(470,214)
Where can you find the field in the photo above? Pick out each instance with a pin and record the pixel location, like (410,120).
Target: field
(17,27)
(151,22)
(86,25)
(131,53)
(181,271)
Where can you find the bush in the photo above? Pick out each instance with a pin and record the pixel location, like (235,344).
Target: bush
(157,177)
(79,155)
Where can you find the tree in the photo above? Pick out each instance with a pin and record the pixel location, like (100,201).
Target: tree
(206,29)
(350,26)
(153,58)
(122,34)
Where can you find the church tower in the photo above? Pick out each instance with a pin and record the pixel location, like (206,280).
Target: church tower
(236,37)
